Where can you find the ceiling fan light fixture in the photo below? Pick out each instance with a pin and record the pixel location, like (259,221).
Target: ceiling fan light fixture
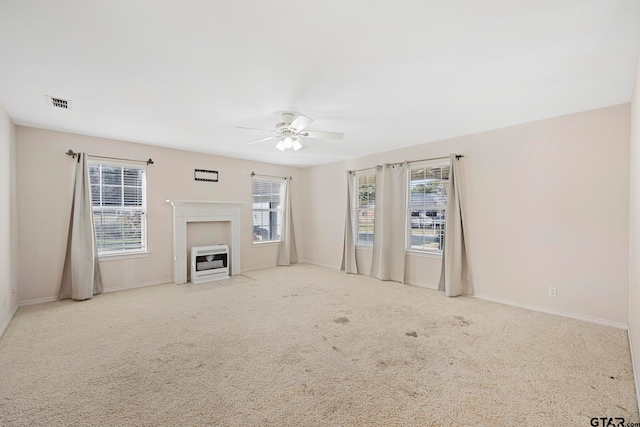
(289,132)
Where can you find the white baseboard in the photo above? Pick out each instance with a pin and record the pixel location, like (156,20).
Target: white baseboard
(516,304)
(6,322)
(635,369)
(555,312)
(138,285)
(333,267)
(37,301)
(300,261)
(425,285)
(105,291)
(259,267)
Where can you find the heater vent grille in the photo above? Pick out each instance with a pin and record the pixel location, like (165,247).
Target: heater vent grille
(52,101)
(209,263)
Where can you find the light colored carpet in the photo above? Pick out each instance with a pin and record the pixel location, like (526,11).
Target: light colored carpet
(307,346)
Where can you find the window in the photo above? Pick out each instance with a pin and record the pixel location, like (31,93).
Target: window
(267,209)
(119,200)
(427,201)
(365,207)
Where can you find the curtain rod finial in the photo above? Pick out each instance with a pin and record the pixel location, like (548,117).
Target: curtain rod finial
(71,153)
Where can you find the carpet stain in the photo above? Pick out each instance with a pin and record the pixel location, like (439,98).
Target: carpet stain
(290,359)
(306,389)
(411,393)
(336,349)
(342,320)
(411,334)
(463,321)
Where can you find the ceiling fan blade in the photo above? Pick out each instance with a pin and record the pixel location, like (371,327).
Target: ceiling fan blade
(262,140)
(324,135)
(264,130)
(301,122)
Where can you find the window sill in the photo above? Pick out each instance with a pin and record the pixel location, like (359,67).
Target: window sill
(422,254)
(365,247)
(407,251)
(267,243)
(118,257)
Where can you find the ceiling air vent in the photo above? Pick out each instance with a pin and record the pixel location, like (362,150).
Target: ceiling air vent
(58,102)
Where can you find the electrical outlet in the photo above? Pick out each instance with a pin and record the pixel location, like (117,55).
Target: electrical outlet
(552,291)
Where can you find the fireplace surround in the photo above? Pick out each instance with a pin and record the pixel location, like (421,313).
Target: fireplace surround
(186,211)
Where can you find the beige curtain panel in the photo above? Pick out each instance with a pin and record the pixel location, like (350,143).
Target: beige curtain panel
(81,278)
(287,252)
(388,259)
(349,263)
(454,256)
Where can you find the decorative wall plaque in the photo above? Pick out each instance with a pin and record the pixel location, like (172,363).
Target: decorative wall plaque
(205,175)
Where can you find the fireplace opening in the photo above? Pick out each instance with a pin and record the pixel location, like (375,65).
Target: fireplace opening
(209,263)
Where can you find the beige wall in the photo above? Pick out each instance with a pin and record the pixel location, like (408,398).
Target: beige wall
(45,182)
(8,221)
(546,204)
(634,231)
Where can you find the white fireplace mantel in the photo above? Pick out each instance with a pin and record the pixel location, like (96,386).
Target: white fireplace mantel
(185,211)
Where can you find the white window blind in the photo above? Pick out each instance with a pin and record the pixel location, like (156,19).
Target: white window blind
(267,209)
(427,202)
(118,197)
(365,192)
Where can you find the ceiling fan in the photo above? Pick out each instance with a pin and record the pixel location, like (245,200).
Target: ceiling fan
(290,132)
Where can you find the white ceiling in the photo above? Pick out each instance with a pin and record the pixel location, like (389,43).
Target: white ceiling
(388,74)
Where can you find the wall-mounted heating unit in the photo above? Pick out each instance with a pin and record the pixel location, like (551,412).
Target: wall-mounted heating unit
(209,263)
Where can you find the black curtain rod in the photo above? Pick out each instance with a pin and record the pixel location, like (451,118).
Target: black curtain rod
(412,161)
(71,153)
(270,176)
(434,158)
